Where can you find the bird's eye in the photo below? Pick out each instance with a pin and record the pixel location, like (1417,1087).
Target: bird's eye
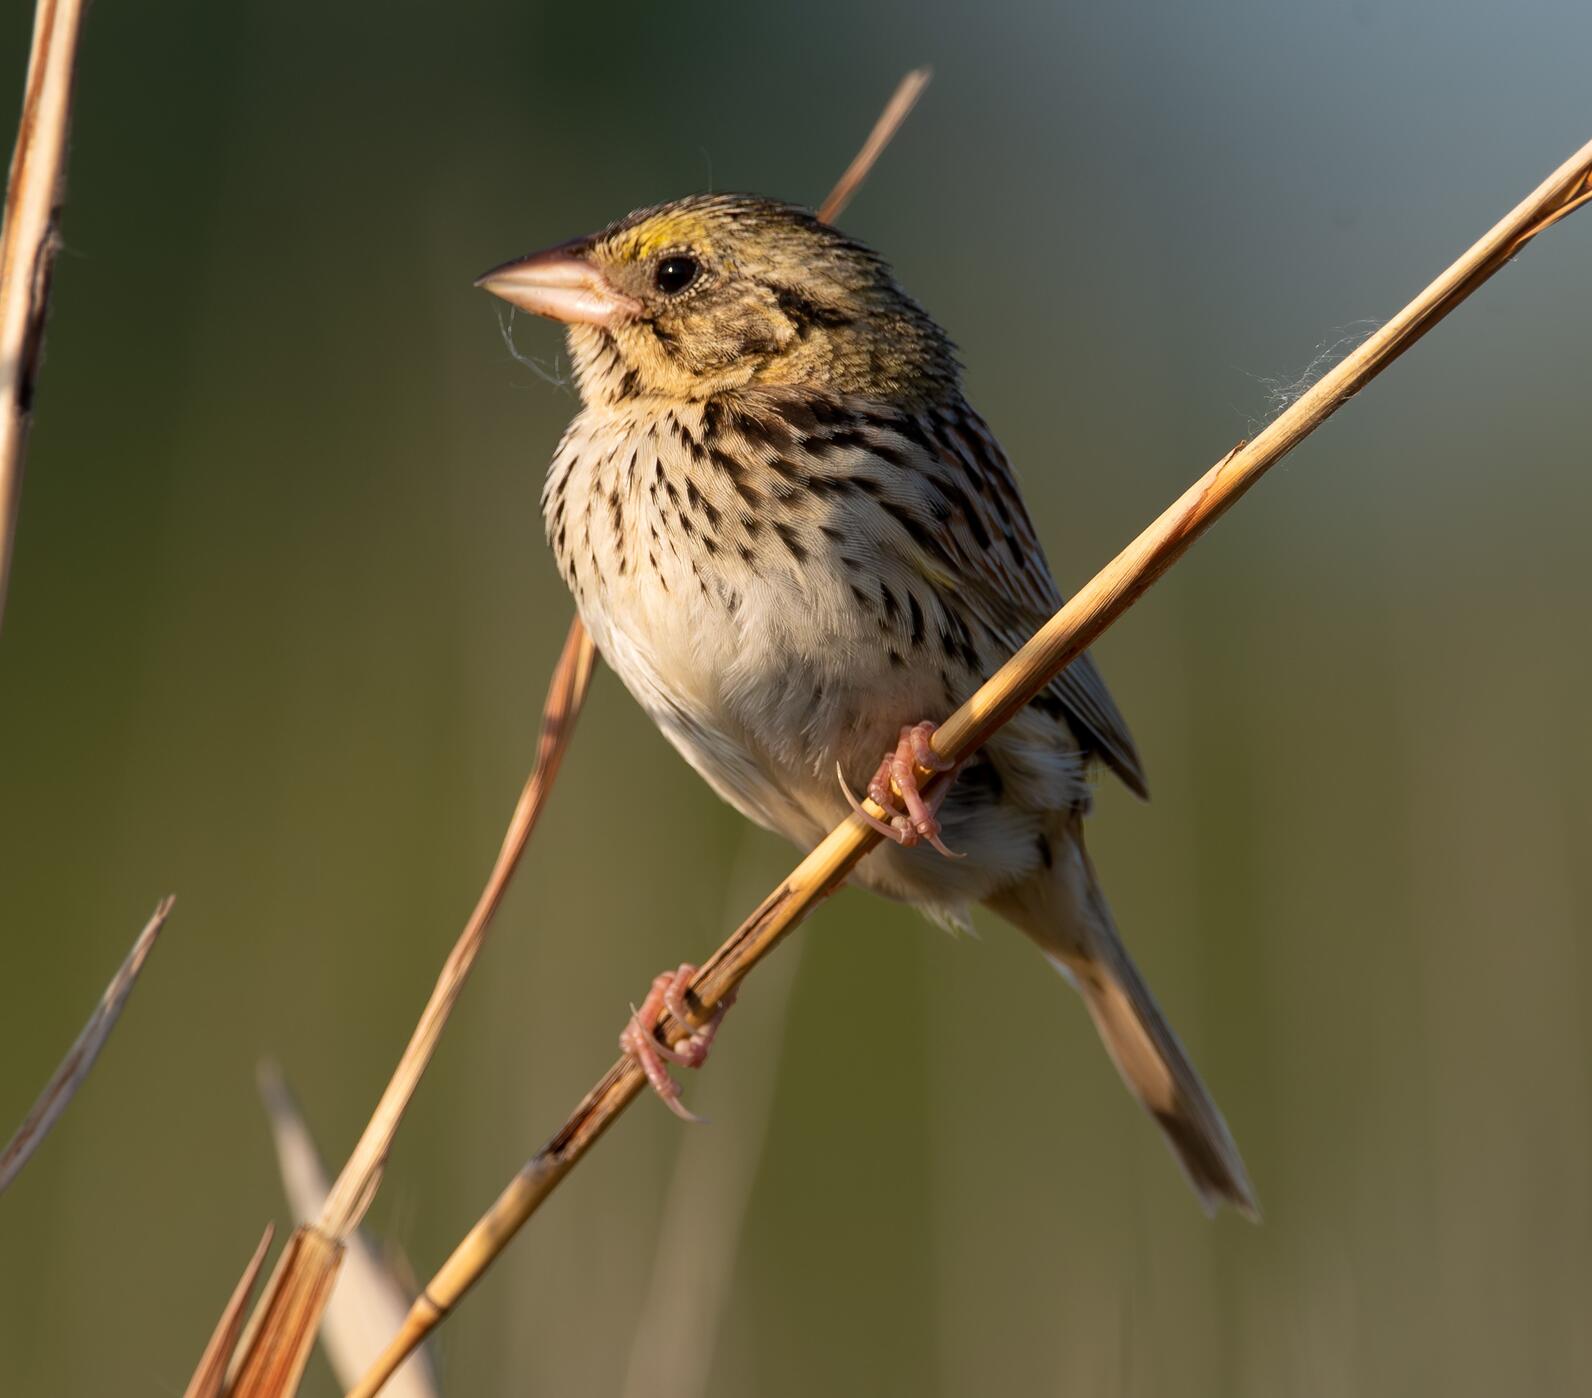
(676,273)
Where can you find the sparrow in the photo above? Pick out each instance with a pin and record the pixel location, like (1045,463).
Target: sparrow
(795,542)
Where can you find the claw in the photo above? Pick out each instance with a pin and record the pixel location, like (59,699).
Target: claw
(897,780)
(932,837)
(648,1053)
(651,1054)
(890,832)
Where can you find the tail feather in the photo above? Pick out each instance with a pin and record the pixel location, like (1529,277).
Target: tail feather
(1077,934)
(1158,1072)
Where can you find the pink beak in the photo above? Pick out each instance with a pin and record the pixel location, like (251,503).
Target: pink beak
(561,285)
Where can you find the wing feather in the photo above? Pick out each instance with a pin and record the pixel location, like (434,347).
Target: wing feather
(947,510)
(1001,574)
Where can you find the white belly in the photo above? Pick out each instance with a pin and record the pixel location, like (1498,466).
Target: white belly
(753,656)
(753,669)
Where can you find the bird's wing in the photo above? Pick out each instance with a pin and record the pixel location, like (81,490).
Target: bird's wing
(979,535)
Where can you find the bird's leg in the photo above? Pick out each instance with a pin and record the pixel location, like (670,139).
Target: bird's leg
(641,1043)
(897,780)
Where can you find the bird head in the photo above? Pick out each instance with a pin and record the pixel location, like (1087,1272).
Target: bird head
(722,291)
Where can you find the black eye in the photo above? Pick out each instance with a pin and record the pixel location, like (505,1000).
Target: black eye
(676,273)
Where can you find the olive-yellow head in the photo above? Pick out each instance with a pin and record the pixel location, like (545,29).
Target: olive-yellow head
(722,291)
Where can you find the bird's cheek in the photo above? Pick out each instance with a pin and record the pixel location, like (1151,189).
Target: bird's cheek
(758,335)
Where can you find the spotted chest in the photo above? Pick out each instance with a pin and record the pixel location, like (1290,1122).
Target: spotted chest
(749,572)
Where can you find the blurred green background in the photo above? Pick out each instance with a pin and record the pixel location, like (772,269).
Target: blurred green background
(282,617)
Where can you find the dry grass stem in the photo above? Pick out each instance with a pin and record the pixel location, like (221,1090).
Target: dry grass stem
(66,1080)
(282,1331)
(367,1303)
(284,1326)
(1071,631)
(28,243)
(896,111)
(211,1374)
(351,1194)
(1117,586)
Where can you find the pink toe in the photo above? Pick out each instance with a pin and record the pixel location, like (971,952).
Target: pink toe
(890,832)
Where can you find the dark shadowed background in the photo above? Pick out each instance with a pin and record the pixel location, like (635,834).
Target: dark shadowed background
(282,616)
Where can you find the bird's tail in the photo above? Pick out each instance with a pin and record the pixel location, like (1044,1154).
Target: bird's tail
(1067,915)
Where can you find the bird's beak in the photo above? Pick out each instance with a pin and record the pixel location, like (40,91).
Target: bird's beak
(561,284)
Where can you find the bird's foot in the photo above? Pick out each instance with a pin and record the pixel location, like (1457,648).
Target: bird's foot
(896,790)
(639,1041)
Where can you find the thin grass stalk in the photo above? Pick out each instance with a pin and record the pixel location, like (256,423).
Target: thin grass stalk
(896,111)
(282,1331)
(74,1068)
(1060,641)
(285,1323)
(28,244)
(211,1374)
(352,1192)
(368,1301)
